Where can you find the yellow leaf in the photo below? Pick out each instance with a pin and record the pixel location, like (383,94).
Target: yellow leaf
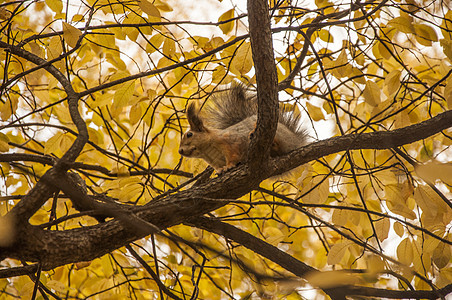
(78,18)
(323,3)
(375,265)
(242,61)
(169,47)
(402,24)
(326,36)
(396,198)
(398,228)
(405,251)
(341,67)
(123,94)
(446,26)
(60,16)
(392,83)
(327,107)
(102,100)
(422,198)
(372,94)
(56,285)
(340,216)
(154,43)
(432,171)
(71,34)
(130,192)
(218,74)
(442,255)
(4,147)
(135,113)
(228,26)
(65,142)
(35,49)
(315,190)
(382,227)
(163,6)
(149,8)
(383,49)
(8,108)
(429,201)
(447,47)
(53,144)
(55,5)
(359,23)
(337,252)
(55,48)
(273,235)
(358,75)
(315,112)
(425,34)
(4,14)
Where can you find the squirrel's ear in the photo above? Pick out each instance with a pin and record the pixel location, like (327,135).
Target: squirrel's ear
(194,120)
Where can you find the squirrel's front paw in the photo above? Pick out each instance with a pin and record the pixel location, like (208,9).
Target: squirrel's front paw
(227,168)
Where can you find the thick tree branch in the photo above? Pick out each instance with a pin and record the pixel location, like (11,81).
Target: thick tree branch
(267,92)
(256,245)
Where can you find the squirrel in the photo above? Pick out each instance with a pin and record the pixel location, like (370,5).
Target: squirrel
(220,134)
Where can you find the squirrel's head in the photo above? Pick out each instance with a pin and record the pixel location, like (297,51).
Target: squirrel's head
(193,140)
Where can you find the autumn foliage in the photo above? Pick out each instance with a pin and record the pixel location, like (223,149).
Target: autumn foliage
(96,202)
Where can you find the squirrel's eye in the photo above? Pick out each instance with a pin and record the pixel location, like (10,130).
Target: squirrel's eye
(189,134)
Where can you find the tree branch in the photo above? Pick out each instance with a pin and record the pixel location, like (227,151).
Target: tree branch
(41,192)
(372,140)
(267,80)
(299,268)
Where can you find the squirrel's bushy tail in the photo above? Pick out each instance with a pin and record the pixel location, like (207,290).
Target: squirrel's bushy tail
(232,106)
